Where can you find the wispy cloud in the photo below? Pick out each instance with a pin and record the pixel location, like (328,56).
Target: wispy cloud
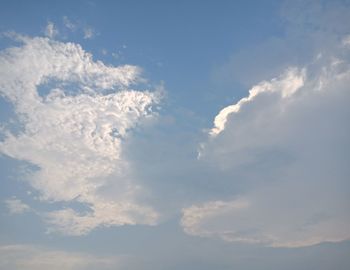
(73,26)
(66,26)
(89,33)
(51,31)
(13,257)
(69,24)
(16,206)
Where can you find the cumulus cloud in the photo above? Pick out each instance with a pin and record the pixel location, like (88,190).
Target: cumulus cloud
(286,86)
(286,147)
(20,257)
(75,115)
(16,206)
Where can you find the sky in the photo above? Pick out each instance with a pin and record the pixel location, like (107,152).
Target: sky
(174,135)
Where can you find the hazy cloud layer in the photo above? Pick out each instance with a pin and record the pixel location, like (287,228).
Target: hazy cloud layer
(27,257)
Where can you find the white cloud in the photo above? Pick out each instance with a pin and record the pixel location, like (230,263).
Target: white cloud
(284,149)
(287,85)
(16,206)
(76,113)
(50,30)
(27,257)
(107,213)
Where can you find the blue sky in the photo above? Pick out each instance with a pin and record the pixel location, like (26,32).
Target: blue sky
(174,135)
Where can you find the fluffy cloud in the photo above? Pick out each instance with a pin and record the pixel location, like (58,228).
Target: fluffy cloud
(285,147)
(75,115)
(18,257)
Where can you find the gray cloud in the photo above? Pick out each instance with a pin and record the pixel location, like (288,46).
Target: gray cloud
(293,148)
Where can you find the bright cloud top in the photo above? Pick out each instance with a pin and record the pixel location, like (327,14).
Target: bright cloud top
(75,114)
(287,145)
(286,86)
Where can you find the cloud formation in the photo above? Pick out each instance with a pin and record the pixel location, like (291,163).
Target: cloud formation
(75,114)
(89,33)
(286,146)
(50,30)
(16,206)
(286,85)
